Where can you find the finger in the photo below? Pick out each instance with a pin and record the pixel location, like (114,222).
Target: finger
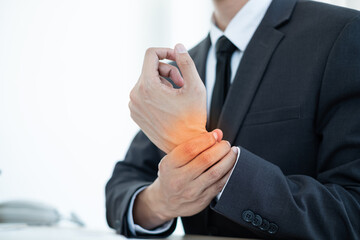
(206,159)
(215,188)
(152,58)
(186,66)
(169,71)
(206,195)
(166,82)
(219,133)
(187,151)
(218,171)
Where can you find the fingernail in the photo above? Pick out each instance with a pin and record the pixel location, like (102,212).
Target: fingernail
(228,143)
(179,48)
(234,149)
(215,136)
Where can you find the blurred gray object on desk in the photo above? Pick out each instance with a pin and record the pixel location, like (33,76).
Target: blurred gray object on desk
(33,213)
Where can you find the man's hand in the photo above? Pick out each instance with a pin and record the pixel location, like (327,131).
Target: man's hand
(169,116)
(189,177)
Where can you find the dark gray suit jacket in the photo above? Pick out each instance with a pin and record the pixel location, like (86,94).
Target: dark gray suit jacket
(294,109)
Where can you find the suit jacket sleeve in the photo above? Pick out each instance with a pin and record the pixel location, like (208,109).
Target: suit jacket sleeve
(138,169)
(258,194)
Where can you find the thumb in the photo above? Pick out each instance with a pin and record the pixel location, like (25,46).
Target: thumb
(187,66)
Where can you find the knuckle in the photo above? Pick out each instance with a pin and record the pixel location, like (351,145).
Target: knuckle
(185,61)
(132,95)
(206,158)
(219,187)
(210,140)
(189,150)
(161,166)
(214,173)
(149,51)
(226,145)
(164,164)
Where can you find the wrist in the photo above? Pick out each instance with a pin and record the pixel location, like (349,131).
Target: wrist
(147,209)
(187,135)
(155,201)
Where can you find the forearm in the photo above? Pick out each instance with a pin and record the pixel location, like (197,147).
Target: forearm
(137,170)
(118,196)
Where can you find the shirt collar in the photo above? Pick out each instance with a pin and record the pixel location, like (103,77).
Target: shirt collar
(244,24)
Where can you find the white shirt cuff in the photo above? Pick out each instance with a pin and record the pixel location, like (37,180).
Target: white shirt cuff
(219,195)
(134,228)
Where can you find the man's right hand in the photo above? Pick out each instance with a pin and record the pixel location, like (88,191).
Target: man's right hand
(189,177)
(169,116)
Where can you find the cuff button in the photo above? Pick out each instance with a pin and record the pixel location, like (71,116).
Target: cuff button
(264,225)
(273,228)
(257,220)
(248,216)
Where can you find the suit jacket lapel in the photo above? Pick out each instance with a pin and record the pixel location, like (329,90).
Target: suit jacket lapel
(252,67)
(200,56)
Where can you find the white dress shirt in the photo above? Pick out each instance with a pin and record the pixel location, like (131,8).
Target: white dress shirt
(239,31)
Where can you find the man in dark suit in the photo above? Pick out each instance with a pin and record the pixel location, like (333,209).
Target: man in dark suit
(293,111)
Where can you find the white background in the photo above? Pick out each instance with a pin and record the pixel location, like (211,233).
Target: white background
(66,69)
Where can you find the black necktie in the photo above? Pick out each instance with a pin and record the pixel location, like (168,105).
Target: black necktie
(224,50)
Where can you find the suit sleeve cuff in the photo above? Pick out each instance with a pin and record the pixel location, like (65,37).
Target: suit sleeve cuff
(135,228)
(252,186)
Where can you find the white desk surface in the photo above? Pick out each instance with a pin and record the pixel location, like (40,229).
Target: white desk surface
(63,233)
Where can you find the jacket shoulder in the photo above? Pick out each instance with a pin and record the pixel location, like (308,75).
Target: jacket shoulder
(330,12)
